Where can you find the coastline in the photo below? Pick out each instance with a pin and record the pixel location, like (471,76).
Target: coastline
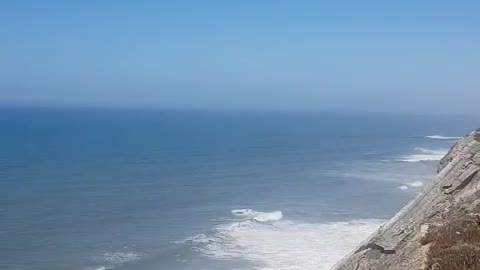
(397,243)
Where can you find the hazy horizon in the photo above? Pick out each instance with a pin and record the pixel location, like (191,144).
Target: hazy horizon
(404,57)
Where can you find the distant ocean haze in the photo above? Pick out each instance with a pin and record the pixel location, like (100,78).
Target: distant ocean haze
(123,189)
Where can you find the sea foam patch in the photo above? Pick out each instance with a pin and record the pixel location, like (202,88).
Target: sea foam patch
(258,216)
(440,137)
(415,184)
(121,257)
(282,244)
(424,154)
(113,259)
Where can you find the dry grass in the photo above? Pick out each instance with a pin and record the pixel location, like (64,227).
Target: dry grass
(455,245)
(457,257)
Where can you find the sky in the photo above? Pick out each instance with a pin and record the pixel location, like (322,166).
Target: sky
(395,56)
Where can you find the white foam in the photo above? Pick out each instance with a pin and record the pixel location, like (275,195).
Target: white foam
(121,257)
(424,154)
(283,244)
(415,184)
(258,216)
(102,268)
(440,137)
(111,260)
(412,184)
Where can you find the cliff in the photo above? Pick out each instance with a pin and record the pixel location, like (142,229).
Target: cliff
(439,229)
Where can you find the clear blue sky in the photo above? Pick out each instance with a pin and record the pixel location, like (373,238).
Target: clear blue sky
(401,56)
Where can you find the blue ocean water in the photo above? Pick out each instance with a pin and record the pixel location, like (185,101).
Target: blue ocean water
(110,189)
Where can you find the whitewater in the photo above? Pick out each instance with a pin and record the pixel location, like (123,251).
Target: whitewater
(269,241)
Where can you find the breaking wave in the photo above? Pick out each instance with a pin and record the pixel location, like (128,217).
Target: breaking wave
(440,137)
(415,184)
(114,259)
(424,154)
(250,214)
(269,242)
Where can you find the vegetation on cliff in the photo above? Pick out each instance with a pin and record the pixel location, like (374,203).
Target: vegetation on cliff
(455,244)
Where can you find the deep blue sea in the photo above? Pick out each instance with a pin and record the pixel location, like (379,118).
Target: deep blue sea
(87,189)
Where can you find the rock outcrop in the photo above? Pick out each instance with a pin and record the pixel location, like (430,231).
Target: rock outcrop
(400,243)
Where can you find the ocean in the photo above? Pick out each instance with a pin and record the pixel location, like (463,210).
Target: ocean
(97,189)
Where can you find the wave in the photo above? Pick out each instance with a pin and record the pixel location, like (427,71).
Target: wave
(430,151)
(121,257)
(424,154)
(415,184)
(114,259)
(440,137)
(257,216)
(412,184)
(281,244)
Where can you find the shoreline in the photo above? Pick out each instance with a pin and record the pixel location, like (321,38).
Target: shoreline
(396,243)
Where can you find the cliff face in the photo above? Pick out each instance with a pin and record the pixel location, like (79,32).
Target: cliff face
(411,238)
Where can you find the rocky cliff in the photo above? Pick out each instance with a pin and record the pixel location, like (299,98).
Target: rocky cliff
(439,229)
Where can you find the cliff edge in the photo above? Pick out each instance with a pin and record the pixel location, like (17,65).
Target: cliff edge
(439,229)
